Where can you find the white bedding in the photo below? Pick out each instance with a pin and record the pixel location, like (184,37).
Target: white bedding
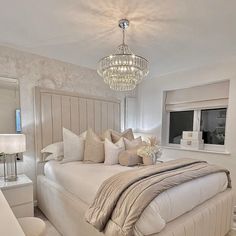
(83,180)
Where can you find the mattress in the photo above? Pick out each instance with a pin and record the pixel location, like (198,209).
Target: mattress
(83,181)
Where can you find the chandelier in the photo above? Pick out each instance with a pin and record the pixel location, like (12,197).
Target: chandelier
(123,70)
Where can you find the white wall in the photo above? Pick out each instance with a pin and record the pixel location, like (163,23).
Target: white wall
(150,100)
(33,70)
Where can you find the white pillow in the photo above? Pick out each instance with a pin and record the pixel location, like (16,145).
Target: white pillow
(112,151)
(51,157)
(133,143)
(73,146)
(55,149)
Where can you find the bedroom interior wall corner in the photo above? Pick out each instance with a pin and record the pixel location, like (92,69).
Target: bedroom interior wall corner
(150,99)
(33,70)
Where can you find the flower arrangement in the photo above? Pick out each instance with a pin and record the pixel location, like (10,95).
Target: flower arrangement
(150,151)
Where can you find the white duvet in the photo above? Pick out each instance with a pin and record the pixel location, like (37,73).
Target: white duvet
(83,180)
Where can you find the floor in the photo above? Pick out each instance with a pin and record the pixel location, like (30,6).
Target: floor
(51,231)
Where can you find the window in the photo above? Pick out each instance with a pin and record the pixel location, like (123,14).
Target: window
(199,108)
(213,126)
(179,122)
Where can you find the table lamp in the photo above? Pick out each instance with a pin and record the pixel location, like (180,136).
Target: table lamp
(10,146)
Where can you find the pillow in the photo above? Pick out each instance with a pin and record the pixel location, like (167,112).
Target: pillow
(52,157)
(112,151)
(115,136)
(56,151)
(129,158)
(133,143)
(94,148)
(107,135)
(73,146)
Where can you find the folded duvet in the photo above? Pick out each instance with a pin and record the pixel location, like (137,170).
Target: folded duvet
(122,198)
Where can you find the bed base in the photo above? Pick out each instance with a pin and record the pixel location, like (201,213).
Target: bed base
(66,213)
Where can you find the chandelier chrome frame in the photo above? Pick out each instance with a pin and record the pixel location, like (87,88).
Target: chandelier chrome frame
(123,70)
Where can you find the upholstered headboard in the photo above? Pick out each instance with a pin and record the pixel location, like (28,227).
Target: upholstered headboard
(57,109)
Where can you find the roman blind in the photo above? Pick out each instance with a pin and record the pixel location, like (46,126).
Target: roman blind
(200,97)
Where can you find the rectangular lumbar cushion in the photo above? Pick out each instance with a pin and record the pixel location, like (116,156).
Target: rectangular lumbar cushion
(129,158)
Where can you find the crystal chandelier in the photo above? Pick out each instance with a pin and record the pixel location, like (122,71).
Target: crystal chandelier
(123,70)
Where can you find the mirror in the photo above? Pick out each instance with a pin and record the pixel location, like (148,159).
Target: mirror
(10,120)
(10,115)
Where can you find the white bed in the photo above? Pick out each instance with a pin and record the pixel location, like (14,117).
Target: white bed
(65,190)
(83,180)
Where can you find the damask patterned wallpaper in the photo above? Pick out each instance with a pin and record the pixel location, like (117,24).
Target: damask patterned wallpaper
(33,70)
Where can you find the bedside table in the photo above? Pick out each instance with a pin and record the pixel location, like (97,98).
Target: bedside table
(19,195)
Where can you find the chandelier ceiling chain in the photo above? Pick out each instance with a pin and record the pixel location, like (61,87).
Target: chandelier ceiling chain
(123,70)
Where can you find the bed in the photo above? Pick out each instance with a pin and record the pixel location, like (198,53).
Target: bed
(64,191)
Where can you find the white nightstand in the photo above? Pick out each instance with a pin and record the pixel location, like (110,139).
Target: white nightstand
(19,195)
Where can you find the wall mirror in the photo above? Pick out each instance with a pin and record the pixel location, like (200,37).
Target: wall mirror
(10,115)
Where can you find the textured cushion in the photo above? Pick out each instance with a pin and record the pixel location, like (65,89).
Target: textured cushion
(131,144)
(32,226)
(115,136)
(129,158)
(94,148)
(55,150)
(73,146)
(112,151)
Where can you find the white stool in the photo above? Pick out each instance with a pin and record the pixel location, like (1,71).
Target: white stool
(32,226)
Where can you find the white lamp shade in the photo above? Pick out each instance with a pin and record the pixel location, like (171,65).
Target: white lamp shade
(12,143)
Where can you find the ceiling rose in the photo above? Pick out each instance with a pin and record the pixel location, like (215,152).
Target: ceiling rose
(123,70)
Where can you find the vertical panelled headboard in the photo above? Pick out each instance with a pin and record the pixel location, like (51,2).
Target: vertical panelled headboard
(57,109)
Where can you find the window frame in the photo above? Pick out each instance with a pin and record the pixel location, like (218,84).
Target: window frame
(197,127)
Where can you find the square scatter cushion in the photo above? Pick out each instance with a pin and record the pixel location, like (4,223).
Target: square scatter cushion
(112,151)
(94,148)
(131,144)
(55,151)
(73,146)
(115,136)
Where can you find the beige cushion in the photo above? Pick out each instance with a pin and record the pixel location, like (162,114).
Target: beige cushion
(112,151)
(131,144)
(129,158)
(73,146)
(32,226)
(115,136)
(107,135)
(94,148)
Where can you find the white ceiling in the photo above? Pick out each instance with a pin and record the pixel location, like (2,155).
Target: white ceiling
(173,35)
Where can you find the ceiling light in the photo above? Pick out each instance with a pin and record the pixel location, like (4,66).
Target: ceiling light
(123,70)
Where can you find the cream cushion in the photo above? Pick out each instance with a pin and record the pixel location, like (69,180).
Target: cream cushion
(131,144)
(112,151)
(55,150)
(73,146)
(94,148)
(115,136)
(129,158)
(32,226)
(107,135)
